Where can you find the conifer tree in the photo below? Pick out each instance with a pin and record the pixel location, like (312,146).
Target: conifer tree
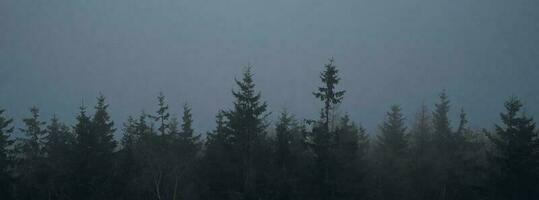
(246,123)
(30,168)
(187,135)
(186,147)
(467,157)
(58,145)
(94,153)
(102,156)
(288,150)
(34,133)
(393,138)
(421,134)
(162,116)
(440,119)
(129,134)
(422,155)
(515,157)
(187,122)
(103,127)
(84,142)
(327,93)
(443,141)
(6,129)
(348,161)
(135,158)
(322,136)
(284,138)
(392,157)
(217,166)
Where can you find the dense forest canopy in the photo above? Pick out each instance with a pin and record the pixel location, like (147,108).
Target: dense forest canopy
(160,156)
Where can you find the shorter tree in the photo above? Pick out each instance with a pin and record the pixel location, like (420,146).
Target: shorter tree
(57,147)
(515,157)
(5,156)
(30,167)
(391,158)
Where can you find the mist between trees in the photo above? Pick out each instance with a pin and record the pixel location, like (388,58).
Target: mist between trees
(245,157)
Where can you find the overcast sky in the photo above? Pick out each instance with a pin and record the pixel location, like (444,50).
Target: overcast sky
(56,53)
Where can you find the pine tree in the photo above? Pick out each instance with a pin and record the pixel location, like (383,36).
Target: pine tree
(322,135)
(102,155)
(187,122)
(348,161)
(421,134)
(217,170)
(129,136)
(187,147)
(284,138)
(422,156)
(288,150)
(443,141)
(58,138)
(30,168)
(187,135)
(327,93)
(58,145)
(246,123)
(468,176)
(188,140)
(94,153)
(103,127)
(135,131)
(392,156)
(137,158)
(34,133)
(515,157)
(393,138)
(5,156)
(162,116)
(440,119)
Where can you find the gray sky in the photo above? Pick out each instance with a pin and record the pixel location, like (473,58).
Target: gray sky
(55,53)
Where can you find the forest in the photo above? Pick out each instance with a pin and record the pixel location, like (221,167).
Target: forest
(247,158)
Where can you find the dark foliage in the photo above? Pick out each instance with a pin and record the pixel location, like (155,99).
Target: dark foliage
(245,157)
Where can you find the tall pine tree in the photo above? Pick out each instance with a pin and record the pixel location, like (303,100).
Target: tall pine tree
(322,136)
(246,123)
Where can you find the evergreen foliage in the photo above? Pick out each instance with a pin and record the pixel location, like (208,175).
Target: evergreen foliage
(245,157)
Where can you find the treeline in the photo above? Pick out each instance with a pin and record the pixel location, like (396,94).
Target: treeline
(245,157)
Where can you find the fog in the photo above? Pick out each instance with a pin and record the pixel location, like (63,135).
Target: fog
(58,54)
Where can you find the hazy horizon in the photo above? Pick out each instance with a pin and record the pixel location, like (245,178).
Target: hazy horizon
(54,54)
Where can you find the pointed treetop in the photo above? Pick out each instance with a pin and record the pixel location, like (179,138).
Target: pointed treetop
(330,79)
(5,131)
(187,121)
(440,115)
(463,121)
(4,123)
(393,135)
(162,116)
(327,92)
(101,116)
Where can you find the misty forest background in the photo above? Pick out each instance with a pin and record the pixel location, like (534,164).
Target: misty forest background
(245,157)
